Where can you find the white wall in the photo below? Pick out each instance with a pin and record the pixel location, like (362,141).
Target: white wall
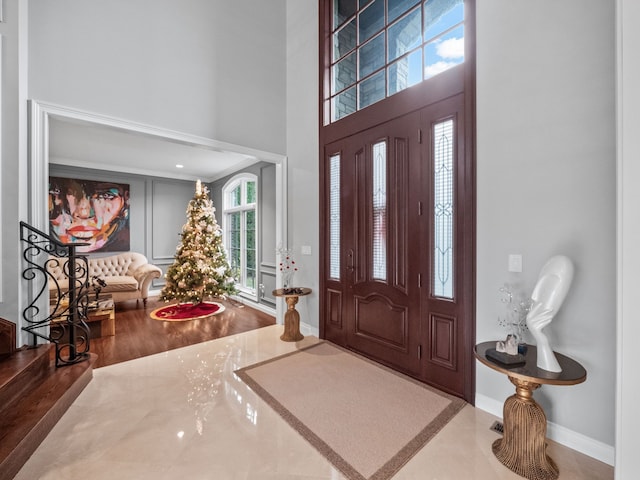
(212,68)
(628,69)
(13,165)
(303,148)
(546,186)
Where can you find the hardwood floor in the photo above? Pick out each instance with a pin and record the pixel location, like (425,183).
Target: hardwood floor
(34,394)
(33,397)
(138,335)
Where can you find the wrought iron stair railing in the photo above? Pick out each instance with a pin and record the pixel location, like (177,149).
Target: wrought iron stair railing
(60,317)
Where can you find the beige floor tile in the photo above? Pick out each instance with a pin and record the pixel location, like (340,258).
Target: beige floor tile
(185,414)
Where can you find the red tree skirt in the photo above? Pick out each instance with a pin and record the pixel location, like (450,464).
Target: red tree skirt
(186,311)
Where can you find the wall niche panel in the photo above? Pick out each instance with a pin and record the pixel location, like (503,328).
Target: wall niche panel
(168,204)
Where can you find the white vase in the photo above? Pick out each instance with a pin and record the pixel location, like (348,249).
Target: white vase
(287,278)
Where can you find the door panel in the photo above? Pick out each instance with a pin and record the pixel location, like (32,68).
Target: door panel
(380,298)
(334,308)
(445,302)
(378,320)
(442,349)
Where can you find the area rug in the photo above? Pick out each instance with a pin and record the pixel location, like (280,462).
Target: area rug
(367,420)
(186,311)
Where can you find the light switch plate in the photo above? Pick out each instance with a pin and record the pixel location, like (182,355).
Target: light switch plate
(515,263)
(305,249)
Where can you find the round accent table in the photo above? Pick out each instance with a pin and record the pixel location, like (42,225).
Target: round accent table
(291,316)
(523,447)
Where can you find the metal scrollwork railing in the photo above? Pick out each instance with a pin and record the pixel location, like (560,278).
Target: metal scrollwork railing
(63,322)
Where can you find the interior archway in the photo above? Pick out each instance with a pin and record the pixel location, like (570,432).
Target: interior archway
(43,115)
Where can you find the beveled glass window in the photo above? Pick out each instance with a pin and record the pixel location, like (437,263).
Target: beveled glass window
(370,20)
(240,229)
(443,208)
(344,73)
(344,40)
(371,57)
(404,35)
(371,90)
(396,8)
(379,211)
(334,217)
(381,47)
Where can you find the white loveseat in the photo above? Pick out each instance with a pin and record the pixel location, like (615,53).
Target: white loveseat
(127,275)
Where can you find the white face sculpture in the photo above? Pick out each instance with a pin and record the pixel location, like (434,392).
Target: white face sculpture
(547,297)
(553,284)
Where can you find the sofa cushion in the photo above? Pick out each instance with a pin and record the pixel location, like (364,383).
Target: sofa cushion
(114,284)
(128,275)
(114,266)
(124,283)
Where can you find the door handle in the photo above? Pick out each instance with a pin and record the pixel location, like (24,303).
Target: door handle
(350,265)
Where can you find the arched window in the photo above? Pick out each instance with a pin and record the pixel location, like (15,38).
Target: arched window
(240,202)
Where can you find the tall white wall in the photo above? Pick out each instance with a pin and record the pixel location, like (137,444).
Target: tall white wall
(303,147)
(546,186)
(13,144)
(213,68)
(628,392)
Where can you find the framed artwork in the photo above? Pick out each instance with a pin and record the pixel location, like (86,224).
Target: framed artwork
(93,212)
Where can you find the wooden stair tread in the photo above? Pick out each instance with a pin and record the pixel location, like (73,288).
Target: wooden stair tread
(20,370)
(25,424)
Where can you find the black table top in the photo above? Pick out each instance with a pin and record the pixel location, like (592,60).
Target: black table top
(572,372)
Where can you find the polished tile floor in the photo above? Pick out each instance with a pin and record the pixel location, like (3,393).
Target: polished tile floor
(184,414)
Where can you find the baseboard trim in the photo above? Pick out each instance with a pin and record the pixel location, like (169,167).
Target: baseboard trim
(308,330)
(250,303)
(574,440)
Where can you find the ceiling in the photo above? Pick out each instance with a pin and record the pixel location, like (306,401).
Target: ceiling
(83,144)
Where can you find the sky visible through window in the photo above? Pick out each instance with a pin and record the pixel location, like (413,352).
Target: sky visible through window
(446,51)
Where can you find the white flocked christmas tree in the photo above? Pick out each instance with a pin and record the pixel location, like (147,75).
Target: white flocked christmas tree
(200,270)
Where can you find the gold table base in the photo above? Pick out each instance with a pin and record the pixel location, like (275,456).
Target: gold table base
(291,316)
(291,322)
(523,447)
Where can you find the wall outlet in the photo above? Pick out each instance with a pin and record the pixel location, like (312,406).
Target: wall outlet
(305,249)
(515,263)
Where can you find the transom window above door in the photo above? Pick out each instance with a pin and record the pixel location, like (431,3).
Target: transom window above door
(381,47)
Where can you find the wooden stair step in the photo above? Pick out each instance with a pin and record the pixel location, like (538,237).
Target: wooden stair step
(26,423)
(19,371)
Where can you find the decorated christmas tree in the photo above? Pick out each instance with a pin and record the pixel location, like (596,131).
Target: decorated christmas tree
(200,269)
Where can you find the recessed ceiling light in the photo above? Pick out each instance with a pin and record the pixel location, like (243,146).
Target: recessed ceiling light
(179,166)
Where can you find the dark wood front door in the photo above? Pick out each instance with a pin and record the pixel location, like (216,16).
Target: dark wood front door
(394,280)
(382,304)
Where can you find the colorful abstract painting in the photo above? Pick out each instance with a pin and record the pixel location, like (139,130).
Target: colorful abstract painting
(90,212)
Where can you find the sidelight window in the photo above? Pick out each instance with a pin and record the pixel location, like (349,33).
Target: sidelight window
(379,211)
(381,47)
(334,217)
(443,208)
